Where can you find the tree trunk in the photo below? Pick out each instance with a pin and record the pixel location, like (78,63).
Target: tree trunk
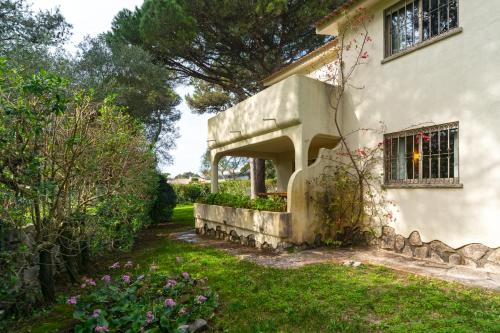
(46,276)
(258,176)
(69,257)
(84,256)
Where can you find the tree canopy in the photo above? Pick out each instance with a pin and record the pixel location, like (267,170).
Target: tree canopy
(225,47)
(143,87)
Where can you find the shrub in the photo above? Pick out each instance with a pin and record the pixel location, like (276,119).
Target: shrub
(165,202)
(273,204)
(151,302)
(192,192)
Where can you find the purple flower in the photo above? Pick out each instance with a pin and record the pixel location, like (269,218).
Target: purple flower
(106,278)
(200,299)
(126,278)
(185,275)
(71,300)
(149,317)
(128,264)
(101,328)
(96,313)
(171,283)
(116,265)
(91,282)
(169,303)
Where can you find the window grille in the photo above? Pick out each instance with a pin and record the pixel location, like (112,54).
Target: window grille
(411,22)
(427,155)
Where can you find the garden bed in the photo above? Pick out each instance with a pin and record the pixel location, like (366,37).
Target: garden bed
(248,226)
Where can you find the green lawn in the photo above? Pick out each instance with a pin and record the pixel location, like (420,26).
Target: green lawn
(315,298)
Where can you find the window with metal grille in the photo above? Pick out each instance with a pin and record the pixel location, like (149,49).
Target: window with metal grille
(411,22)
(427,155)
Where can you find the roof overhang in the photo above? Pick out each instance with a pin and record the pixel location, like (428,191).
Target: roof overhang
(320,56)
(329,25)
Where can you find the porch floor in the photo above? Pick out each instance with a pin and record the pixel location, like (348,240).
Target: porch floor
(470,276)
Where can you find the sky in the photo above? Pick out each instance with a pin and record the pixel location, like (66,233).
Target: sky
(92,17)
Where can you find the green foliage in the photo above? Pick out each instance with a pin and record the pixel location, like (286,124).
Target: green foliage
(189,193)
(349,197)
(166,200)
(225,47)
(150,302)
(21,27)
(80,171)
(192,192)
(273,204)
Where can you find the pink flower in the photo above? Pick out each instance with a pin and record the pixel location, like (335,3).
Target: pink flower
(171,283)
(169,303)
(90,282)
(101,328)
(116,265)
(128,264)
(201,299)
(96,313)
(71,300)
(83,286)
(185,275)
(126,278)
(149,317)
(106,278)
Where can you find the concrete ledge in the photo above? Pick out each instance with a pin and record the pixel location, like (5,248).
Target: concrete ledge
(250,227)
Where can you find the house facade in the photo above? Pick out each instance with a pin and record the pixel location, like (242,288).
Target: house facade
(431,78)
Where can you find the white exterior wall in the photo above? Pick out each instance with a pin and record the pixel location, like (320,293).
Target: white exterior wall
(455,79)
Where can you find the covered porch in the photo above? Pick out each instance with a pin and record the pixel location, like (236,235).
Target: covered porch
(288,123)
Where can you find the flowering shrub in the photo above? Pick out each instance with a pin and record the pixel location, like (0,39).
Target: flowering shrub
(151,302)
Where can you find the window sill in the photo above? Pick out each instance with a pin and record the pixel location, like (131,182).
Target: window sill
(420,186)
(428,42)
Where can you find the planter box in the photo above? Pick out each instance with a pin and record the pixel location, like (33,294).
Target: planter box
(248,226)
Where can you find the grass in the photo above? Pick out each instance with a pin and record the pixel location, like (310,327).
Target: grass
(315,298)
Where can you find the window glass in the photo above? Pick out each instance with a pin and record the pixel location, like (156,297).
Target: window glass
(412,22)
(426,155)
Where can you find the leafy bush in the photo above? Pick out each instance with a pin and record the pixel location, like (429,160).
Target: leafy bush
(189,193)
(273,204)
(193,191)
(166,200)
(150,302)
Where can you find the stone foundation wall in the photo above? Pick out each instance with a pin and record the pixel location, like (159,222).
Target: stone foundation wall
(472,255)
(261,229)
(24,264)
(245,240)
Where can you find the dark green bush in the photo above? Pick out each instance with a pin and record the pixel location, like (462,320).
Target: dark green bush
(273,204)
(165,203)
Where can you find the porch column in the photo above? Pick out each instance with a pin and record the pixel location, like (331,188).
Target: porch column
(301,151)
(214,174)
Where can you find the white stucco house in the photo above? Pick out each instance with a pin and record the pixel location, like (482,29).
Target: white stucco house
(432,62)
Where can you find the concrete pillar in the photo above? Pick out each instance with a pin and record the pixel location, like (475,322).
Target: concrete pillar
(214,174)
(284,169)
(301,151)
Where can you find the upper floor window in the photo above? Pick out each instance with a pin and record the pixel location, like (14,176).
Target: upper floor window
(427,155)
(411,22)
